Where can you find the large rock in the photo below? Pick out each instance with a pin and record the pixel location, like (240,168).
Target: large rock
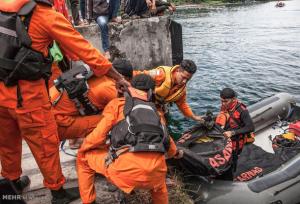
(147,43)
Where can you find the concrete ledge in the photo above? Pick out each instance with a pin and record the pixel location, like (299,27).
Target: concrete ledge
(147,43)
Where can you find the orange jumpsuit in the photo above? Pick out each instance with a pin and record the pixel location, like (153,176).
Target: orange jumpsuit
(158,76)
(34,121)
(70,123)
(143,170)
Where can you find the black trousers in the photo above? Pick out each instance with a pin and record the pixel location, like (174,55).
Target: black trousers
(229,174)
(136,7)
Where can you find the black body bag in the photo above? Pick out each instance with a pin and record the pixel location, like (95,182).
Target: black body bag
(206,153)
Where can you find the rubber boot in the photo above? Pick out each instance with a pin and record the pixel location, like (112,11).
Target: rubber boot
(64,196)
(13,189)
(21,184)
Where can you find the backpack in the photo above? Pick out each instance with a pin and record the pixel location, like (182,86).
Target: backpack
(140,130)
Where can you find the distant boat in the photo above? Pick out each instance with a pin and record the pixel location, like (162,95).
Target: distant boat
(280,4)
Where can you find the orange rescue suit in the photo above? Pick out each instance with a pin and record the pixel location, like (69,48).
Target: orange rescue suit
(70,123)
(34,121)
(142,170)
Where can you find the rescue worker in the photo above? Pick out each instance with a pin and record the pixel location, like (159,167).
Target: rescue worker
(170,86)
(235,119)
(71,124)
(135,158)
(27,28)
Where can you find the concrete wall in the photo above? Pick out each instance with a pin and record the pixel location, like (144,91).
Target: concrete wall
(147,43)
(92,34)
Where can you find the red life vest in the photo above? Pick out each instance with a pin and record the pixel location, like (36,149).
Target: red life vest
(234,122)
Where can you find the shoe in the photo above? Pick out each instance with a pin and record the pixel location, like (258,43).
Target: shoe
(85,22)
(80,23)
(160,13)
(125,16)
(21,184)
(116,20)
(147,14)
(64,196)
(133,17)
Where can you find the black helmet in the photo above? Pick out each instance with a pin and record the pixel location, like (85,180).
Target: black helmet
(124,67)
(143,82)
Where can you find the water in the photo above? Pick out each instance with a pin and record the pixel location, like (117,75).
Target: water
(255,49)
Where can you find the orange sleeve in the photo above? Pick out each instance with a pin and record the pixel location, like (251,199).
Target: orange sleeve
(172,150)
(102,91)
(157,74)
(98,137)
(108,94)
(221,118)
(74,45)
(184,106)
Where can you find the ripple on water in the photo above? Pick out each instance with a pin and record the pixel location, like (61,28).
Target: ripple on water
(255,49)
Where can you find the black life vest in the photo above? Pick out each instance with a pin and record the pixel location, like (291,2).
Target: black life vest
(234,122)
(18,61)
(74,82)
(140,130)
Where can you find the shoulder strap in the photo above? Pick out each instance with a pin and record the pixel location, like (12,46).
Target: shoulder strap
(128,104)
(27,8)
(22,23)
(232,112)
(22,30)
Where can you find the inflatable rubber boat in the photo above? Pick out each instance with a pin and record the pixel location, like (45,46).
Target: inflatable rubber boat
(266,173)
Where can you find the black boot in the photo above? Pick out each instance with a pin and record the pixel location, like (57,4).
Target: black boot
(14,188)
(21,184)
(64,196)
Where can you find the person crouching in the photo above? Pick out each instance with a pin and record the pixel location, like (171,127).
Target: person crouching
(135,158)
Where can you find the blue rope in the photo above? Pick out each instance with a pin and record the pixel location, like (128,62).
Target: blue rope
(64,151)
